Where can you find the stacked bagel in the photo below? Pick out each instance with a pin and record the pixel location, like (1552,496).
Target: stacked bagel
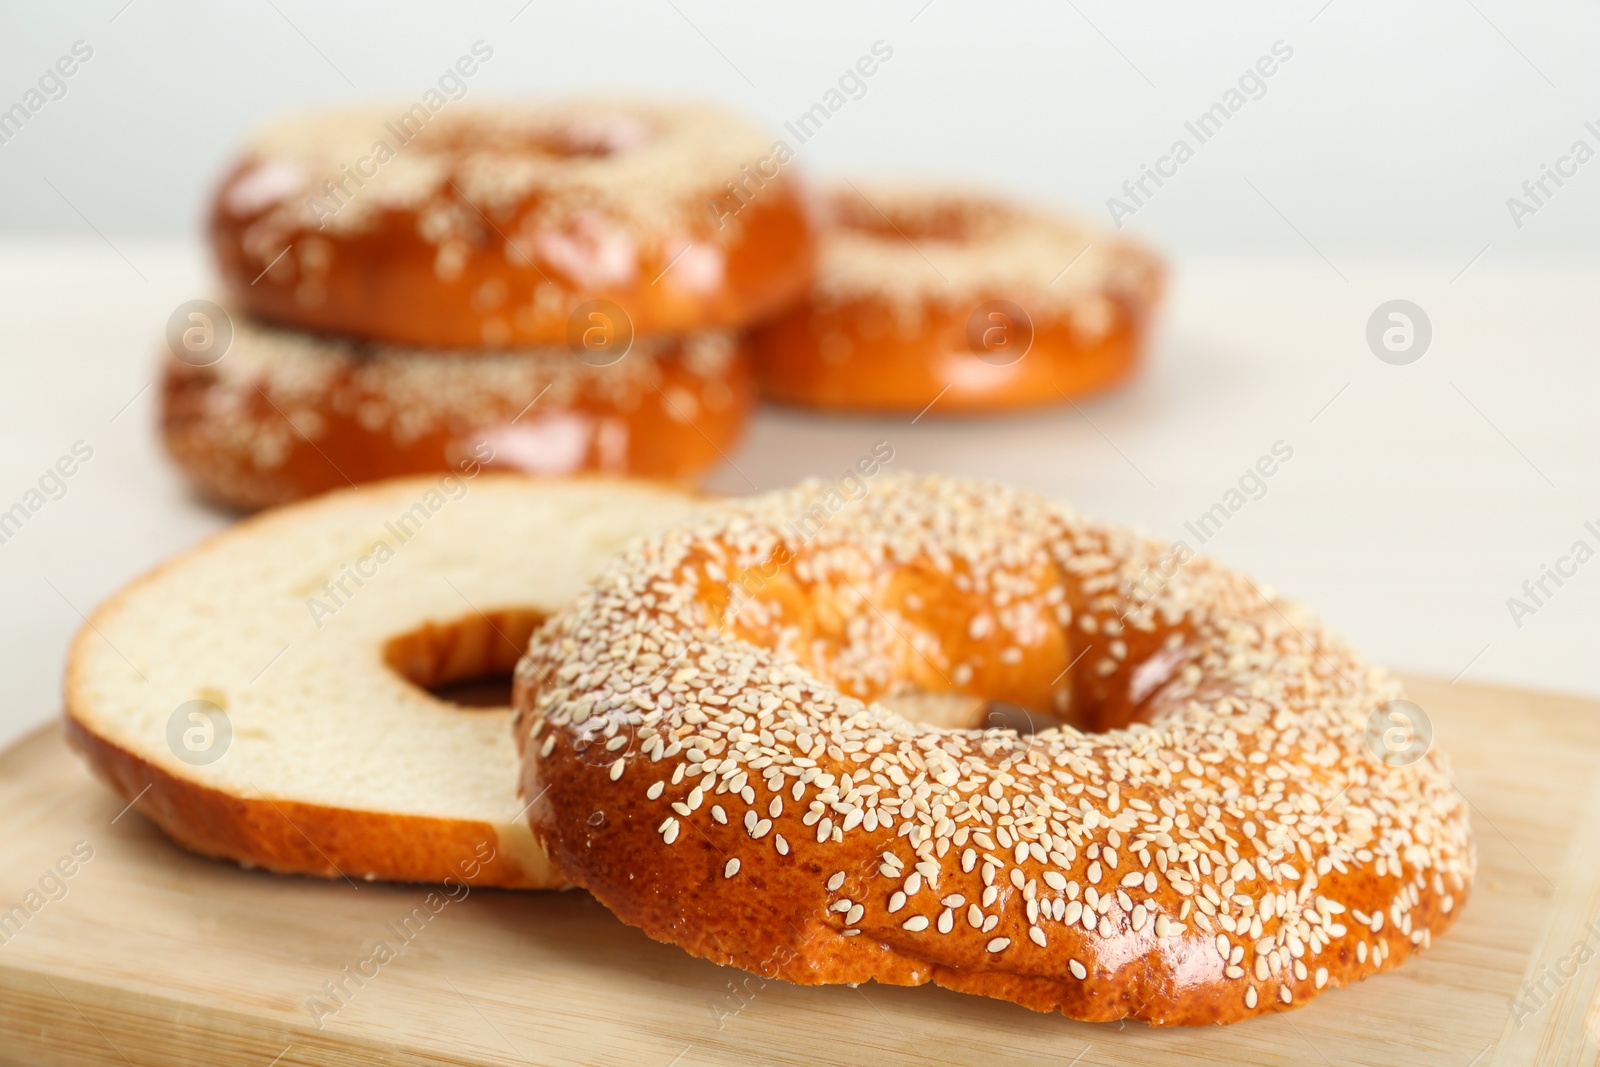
(548,289)
(604,286)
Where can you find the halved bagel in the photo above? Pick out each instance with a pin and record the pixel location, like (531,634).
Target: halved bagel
(265,697)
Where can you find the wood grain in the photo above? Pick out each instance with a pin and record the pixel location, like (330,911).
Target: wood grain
(153,956)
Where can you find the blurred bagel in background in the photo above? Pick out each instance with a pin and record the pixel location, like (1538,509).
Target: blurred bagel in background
(286,414)
(491,226)
(926,294)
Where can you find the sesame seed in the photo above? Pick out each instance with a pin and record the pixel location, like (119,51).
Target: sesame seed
(916,923)
(731,868)
(1079,971)
(1244,803)
(998,944)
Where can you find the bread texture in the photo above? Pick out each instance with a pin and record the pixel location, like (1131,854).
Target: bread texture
(264,697)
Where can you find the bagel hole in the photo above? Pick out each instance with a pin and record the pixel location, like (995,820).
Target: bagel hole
(491,691)
(950,219)
(596,138)
(966,712)
(1004,715)
(465,662)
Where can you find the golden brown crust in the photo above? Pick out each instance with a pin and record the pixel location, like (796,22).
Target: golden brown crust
(967,300)
(492,226)
(285,415)
(1213,838)
(288,837)
(887,370)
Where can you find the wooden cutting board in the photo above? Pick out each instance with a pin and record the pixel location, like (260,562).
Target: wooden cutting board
(148,955)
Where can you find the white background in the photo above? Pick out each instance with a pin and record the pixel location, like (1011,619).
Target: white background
(1377,165)
(1394,127)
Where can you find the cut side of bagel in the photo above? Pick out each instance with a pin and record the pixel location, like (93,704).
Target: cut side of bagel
(267,697)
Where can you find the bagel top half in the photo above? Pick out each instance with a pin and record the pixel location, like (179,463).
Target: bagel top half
(1209,834)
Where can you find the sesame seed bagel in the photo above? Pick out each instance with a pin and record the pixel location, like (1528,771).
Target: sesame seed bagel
(287,414)
(924,294)
(267,696)
(1206,837)
(491,226)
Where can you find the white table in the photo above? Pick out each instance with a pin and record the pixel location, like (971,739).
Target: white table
(1418,498)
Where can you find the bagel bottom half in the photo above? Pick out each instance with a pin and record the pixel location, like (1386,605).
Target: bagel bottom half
(285,415)
(267,697)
